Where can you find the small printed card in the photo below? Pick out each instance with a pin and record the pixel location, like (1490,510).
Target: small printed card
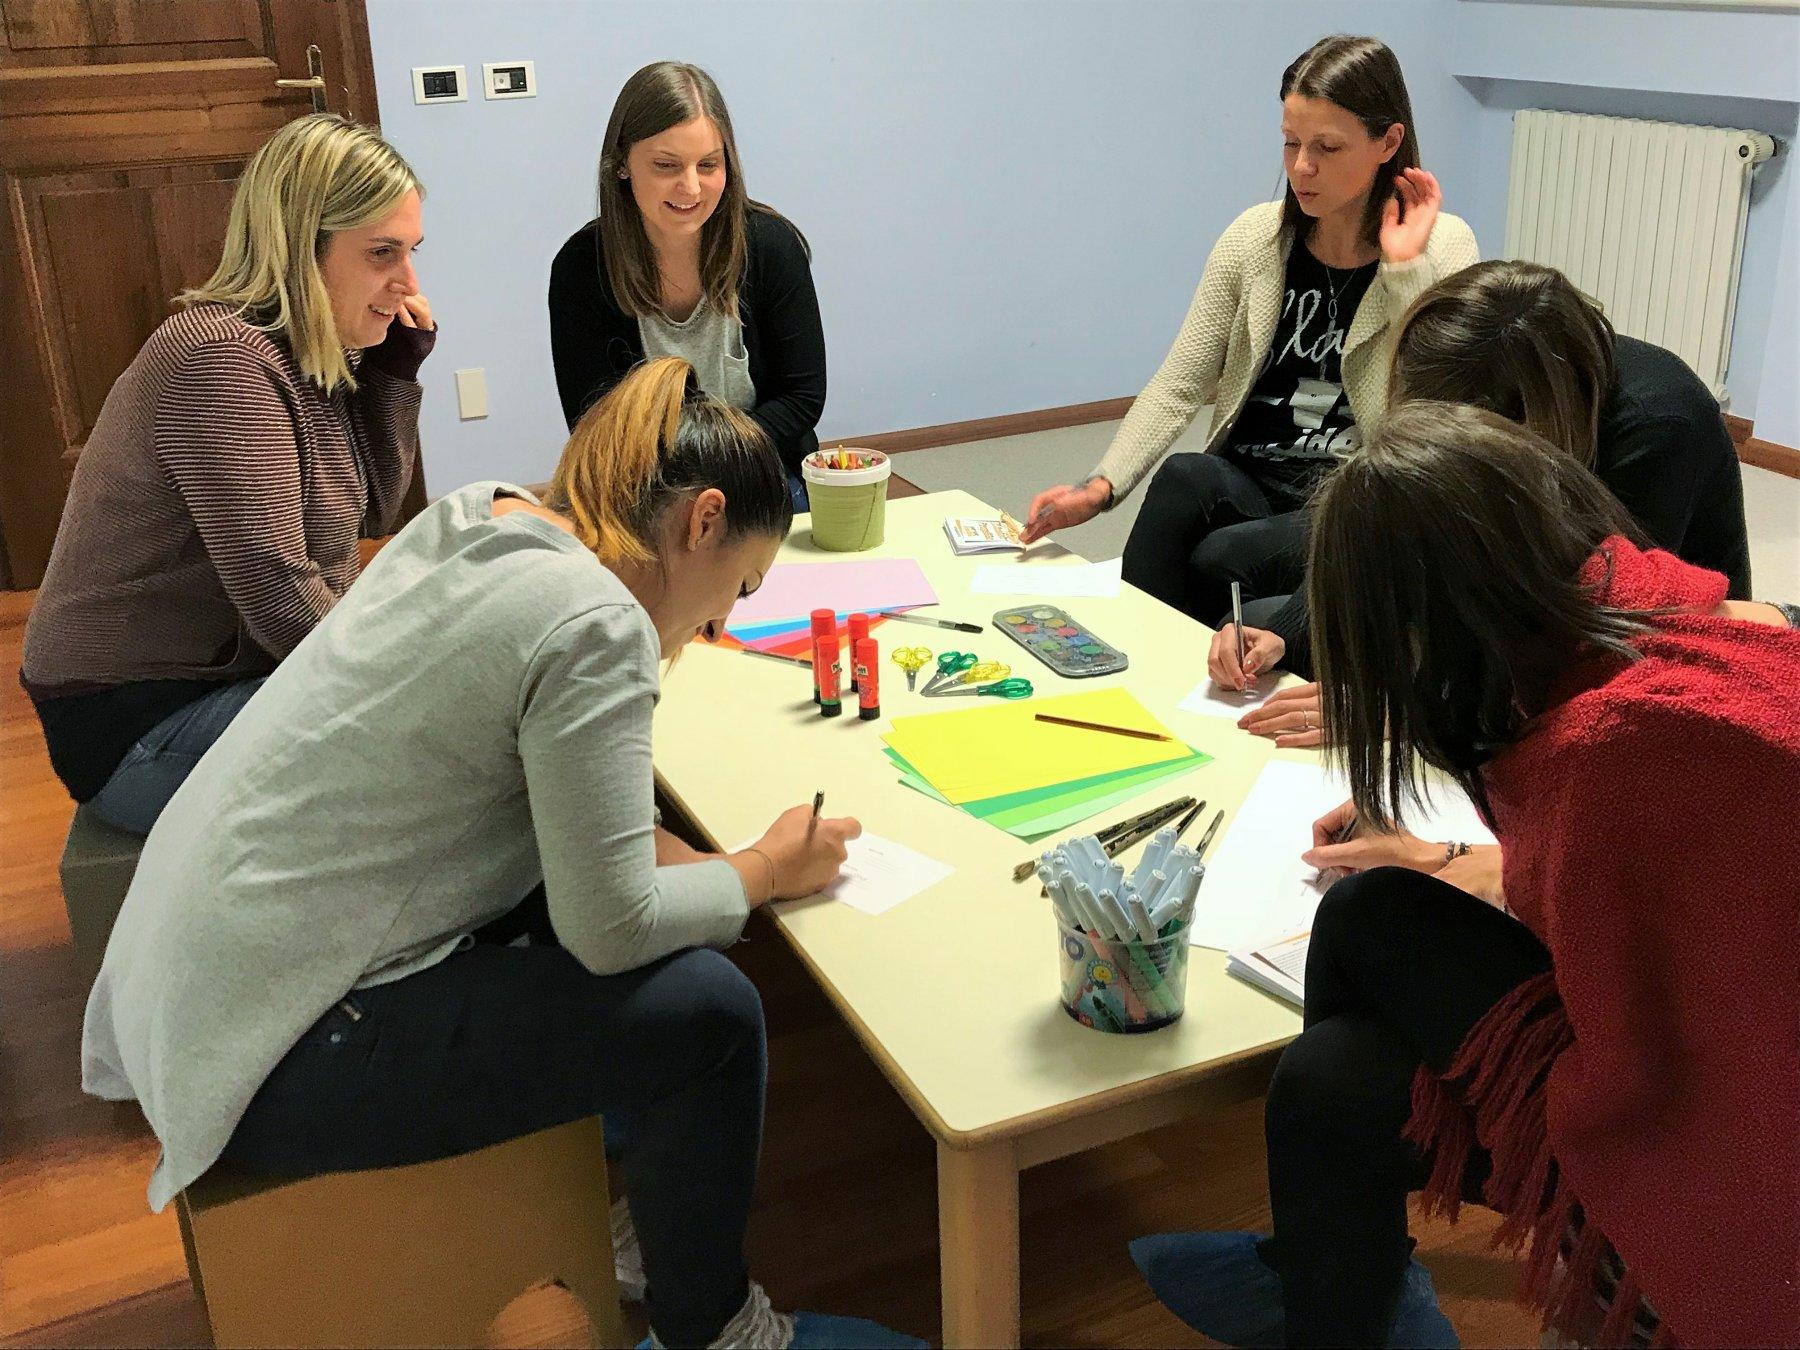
(978,534)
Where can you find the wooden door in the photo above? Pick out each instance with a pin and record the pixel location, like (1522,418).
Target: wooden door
(123,126)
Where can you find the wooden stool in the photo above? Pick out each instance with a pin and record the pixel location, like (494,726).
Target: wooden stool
(98,862)
(420,1255)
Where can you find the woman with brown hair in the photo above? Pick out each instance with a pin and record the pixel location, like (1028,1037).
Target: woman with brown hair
(1288,339)
(680,261)
(1519,339)
(313,970)
(1606,1053)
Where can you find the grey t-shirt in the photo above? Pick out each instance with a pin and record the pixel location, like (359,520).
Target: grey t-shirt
(472,717)
(712,343)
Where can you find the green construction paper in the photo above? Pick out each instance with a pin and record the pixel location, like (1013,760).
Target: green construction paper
(988,807)
(1046,810)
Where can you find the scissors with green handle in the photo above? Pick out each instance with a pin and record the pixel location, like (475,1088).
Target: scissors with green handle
(999,689)
(950,663)
(912,660)
(982,672)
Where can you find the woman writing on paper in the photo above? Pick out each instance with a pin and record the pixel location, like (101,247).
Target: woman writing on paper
(679,261)
(1607,1054)
(311,971)
(214,513)
(1519,339)
(1288,338)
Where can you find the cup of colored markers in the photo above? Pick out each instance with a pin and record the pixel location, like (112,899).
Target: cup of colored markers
(846,491)
(1123,941)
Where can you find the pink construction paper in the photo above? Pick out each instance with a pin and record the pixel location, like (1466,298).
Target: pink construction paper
(794,590)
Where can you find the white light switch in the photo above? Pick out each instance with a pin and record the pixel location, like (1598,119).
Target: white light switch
(471,393)
(509,79)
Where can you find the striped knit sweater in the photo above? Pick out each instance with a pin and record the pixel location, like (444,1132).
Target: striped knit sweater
(214,512)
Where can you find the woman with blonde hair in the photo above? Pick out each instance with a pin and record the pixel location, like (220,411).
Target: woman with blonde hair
(681,261)
(313,970)
(213,516)
(1287,338)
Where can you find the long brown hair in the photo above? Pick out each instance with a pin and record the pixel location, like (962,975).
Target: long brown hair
(1516,338)
(665,94)
(1443,580)
(656,438)
(1362,76)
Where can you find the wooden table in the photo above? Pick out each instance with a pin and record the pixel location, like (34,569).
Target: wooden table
(991,1065)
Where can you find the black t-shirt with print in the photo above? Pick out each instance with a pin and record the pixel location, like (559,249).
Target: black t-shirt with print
(1297,423)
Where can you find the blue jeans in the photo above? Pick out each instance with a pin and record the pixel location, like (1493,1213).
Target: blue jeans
(165,755)
(797,492)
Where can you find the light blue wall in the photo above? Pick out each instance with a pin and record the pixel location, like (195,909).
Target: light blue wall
(1706,65)
(1009,203)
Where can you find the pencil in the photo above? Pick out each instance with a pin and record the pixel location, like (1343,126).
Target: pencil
(926,619)
(777,656)
(1103,726)
(818,801)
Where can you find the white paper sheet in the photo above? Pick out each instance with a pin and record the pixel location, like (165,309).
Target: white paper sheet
(1095,581)
(880,873)
(1256,884)
(1214,700)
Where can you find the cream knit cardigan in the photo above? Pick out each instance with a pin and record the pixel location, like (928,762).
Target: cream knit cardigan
(1230,327)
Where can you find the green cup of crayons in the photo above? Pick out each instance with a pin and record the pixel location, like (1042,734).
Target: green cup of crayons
(846,491)
(1123,986)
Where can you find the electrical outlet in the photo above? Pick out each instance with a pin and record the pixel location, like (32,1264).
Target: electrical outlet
(471,393)
(440,84)
(509,79)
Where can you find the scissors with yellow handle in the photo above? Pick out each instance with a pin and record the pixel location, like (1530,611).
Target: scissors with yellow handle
(912,660)
(982,672)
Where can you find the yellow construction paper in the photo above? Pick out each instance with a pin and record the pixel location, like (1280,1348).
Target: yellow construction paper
(997,748)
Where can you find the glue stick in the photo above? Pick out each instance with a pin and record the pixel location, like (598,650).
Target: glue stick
(865,672)
(824,624)
(859,629)
(825,670)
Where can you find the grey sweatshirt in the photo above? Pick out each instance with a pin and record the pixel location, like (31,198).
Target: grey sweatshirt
(472,717)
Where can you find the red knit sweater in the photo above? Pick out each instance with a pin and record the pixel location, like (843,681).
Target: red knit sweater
(1651,1083)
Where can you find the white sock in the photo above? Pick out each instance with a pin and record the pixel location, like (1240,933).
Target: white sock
(628,1256)
(757,1326)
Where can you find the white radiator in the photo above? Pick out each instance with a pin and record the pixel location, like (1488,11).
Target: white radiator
(1646,217)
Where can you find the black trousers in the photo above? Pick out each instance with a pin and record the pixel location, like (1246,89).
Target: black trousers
(1204,524)
(1401,968)
(498,1041)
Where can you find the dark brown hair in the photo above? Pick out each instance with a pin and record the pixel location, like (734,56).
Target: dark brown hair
(1443,580)
(656,438)
(1362,76)
(665,94)
(1516,338)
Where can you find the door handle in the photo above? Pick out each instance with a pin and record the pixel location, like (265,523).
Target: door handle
(315,80)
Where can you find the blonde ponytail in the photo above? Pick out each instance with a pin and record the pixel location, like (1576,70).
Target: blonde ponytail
(653,439)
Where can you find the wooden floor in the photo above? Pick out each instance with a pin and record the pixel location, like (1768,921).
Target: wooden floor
(846,1216)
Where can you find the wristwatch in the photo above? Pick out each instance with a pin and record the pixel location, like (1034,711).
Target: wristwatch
(1789,612)
(1112,497)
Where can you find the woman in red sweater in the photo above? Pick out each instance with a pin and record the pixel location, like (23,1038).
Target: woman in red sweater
(1608,1053)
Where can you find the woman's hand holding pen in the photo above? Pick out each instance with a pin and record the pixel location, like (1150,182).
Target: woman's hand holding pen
(804,854)
(1340,843)
(1263,651)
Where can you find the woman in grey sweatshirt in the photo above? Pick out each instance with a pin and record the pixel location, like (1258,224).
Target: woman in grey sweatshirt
(311,971)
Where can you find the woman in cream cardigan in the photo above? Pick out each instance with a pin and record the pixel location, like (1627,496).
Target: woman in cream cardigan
(1288,337)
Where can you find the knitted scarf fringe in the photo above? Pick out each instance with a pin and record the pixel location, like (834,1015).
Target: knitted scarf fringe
(1493,1094)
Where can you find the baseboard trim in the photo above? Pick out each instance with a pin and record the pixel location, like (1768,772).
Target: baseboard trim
(989,428)
(1770,455)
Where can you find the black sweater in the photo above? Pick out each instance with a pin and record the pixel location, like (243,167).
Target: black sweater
(593,343)
(1664,452)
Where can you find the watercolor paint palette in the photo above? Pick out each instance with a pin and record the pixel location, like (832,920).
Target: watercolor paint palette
(1069,648)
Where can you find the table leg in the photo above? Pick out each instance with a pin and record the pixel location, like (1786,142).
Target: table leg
(978,1244)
